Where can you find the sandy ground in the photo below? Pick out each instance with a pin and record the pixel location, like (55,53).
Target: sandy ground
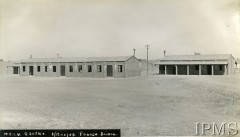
(155,105)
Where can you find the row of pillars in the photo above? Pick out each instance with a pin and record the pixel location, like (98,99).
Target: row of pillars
(200,70)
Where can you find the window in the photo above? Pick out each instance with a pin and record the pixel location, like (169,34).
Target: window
(71,68)
(99,68)
(79,68)
(196,67)
(46,68)
(120,68)
(220,67)
(38,68)
(54,69)
(24,68)
(89,68)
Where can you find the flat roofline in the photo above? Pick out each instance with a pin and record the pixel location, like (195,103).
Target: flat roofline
(201,60)
(71,62)
(193,63)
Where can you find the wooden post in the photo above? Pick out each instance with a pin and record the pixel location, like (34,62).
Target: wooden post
(84,69)
(165,69)
(176,68)
(212,70)
(187,69)
(94,69)
(103,69)
(200,70)
(225,70)
(115,69)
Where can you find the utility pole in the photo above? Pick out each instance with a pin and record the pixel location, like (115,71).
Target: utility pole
(134,50)
(147,46)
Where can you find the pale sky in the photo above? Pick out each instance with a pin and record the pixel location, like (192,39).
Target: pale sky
(85,28)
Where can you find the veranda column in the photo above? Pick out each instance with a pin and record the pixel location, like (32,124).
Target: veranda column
(200,69)
(187,69)
(212,70)
(225,70)
(165,69)
(94,68)
(84,69)
(104,68)
(115,69)
(176,68)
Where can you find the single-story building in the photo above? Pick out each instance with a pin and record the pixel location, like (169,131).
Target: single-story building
(238,63)
(9,67)
(237,70)
(214,64)
(97,67)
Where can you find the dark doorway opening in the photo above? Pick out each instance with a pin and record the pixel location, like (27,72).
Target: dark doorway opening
(171,69)
(30,70)
(109,70)
(62,70)
(161,69)
(15,70)
(182,69)
(209,69)
(193,69)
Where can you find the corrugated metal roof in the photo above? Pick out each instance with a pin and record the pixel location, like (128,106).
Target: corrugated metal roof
(78,59)
(194,63)
(198,57)
(193,59)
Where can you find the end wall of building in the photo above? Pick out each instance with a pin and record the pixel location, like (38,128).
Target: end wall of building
(152,68)
(231,65)
(132,67)
(6,67)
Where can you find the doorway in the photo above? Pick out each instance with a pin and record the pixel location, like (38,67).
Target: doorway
(30,70)
(109,70)
(161,69)
(209,69)
(62,70)
(15,70)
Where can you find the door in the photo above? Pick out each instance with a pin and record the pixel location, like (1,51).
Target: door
(62,70)
(30,70)
(161,69)
(109,70)
(15,70)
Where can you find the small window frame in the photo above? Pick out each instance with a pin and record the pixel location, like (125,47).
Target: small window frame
(99,68)
(120,68)
(89,68)
(24,68)
(70,68)
(54,69)
(46,68)
(38,68)
(80,68)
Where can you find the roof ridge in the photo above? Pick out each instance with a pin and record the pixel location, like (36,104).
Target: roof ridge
(198,55)
(82,57)
(78,59)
